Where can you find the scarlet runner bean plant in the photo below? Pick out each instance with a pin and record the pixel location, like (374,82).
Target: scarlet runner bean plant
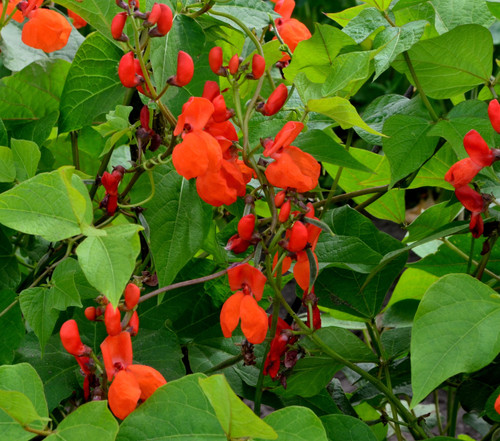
(204,202)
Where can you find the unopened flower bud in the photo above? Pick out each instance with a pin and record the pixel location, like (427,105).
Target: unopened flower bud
(132,295)
(127,71)
(133,324)
(117,25)
(185,70)
(91,313)
(237,245)
(112,320)
(285,211)
(234,64)
(162,16)
(275,101)
(258,66)
(246,226)
(70,338)
(279,198)
(215,61)
(494,114)
(298,237)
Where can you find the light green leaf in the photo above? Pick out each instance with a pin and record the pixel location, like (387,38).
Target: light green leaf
(346,428)
(394,41)
(341,111)
(92,86)
(108,261)
(412,284)
(315,56)
(37,307)
(407,146)
(19,407)
(345,16)
(91,421)
(364,24)
(296,423)
(431,174)
(235,417)
(254,13)
(347,68)
(53,205)
(449,15)
(30,99)
(26,156)
(381,5)
(184,405)
(453,63)
(7,168)
(455,313)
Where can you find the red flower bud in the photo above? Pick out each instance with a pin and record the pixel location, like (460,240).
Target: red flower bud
(185,70)
(215,60)
(132,295)
(70,338)
(127,71)
(298,237)
(221,113)
(285,211)
(161,15)
(112,320)
(144,117)
(497,404)
(258,66)
(246,225)
(133,324)
(117,25)
(234,64)
(275,101)
(211,90)
(279,198)
(154,15)
(90,313)
(494,114)
(237,245)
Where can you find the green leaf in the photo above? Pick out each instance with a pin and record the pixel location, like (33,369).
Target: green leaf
(9,268)
(346,428)
(53,205)
(347,68)
(431,174)
(382,5)
(22,378)
(26,156)
(364,24)
(318,144)
(391,205)
(235,417)
(296,423)
(7,168)
(394,41)
(4,137)
(412,284)
(19,407)
(184,405)
(315,56)
(254,13)
(92,86)
(461,12)
(453,63)
(341,111)
(455,313)
(37,308)
(178,221)
(108,261)
(381,108)
(345,16)
(91,421)
(408,145)
(30,99)
(13,326)
(396,342)
(97,13)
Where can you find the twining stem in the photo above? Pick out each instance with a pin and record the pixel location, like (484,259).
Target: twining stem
(484,260)
(74,149)
(452,417)
(204,9)
(369,201)
(224,364)
(438,414)
(353,194)
(6,310)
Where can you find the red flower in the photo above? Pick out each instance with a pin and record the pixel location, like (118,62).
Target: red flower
(78,22)
(494,114)
(46,30)
(117,25)
(497,404)
(284,138)
(131,382)
(275,101)
(462,172)
(161,15)
(258,66)
(127,71)
(246,226)
(215,61)
(474,202)
(110,181)
(279,346)
(185,70)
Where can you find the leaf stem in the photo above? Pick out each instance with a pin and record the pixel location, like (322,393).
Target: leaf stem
(6,310)
(74,149)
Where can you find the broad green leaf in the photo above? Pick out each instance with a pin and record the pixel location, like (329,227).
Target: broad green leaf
(97,13)
(408,145)
(253,13)
(396,342)
(431,174)
(7,168)
(53,205)
(395,40)
(57,369)
(4,137)
(108,261)
(30,99)
(416,12)
(37,306)
(383,107)
(455,313)
(412,284)
(364,24)
(178,221)
(453,63)
(24,379)
(91,421)
(186,35)
(184,405)
(391,205)
(9,267)
(401,314)
(296,423)
(401,4)
(235,417)
(26,156)
(461,12)
(19,407)
(347,68)
(315,56)
(341,111)
(382,5)
(325,149)
(13,326)
(346,428)
(92,86)
(345,16)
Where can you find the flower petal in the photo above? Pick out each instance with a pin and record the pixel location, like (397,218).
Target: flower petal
(462,172)
(149,379)
(116,353)
(478,149)
(246,274)
(230,314)
(254,323)
(123,394)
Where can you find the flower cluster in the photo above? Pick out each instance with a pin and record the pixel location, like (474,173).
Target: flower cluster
(461,173)
(110,182)
(131,382)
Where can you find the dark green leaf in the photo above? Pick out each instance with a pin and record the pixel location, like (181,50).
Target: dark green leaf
(12,326)
(26,156)
(346,428)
